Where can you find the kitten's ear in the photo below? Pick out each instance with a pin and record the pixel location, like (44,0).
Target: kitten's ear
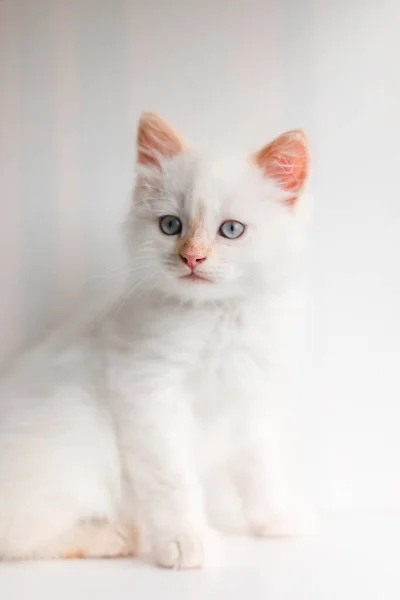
(157,140)
(286,160)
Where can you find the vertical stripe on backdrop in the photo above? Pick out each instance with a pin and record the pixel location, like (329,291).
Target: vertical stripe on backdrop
(11,324)
(295,33)
(106,144)
(69,225)
(260,68)
(38,185)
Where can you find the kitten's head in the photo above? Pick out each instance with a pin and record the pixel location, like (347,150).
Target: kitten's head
(208,228)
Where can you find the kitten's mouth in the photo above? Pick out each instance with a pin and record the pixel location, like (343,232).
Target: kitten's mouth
(195,277)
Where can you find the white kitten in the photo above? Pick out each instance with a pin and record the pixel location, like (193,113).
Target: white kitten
(111,430)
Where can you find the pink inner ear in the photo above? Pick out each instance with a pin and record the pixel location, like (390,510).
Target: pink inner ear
(156,140)
(286,160)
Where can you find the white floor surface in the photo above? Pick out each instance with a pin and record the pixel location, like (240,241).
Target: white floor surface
(352,558)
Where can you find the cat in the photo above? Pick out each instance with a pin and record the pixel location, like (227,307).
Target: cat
(111,428)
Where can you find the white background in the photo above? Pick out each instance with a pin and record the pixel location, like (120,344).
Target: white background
(75,76)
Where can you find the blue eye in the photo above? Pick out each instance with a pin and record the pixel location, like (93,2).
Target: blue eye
(170,225)
(231,229)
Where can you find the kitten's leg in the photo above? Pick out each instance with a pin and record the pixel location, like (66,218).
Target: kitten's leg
(259,477)
(165,490)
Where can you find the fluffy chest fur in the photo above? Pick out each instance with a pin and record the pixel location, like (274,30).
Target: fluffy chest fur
(214,351)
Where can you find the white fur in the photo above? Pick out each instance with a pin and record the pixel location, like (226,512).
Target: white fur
(121,423)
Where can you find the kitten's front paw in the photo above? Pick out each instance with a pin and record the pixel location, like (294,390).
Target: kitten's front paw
(282,523)
(183,551)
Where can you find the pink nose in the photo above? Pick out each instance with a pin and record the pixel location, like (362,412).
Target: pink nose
(192,260)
